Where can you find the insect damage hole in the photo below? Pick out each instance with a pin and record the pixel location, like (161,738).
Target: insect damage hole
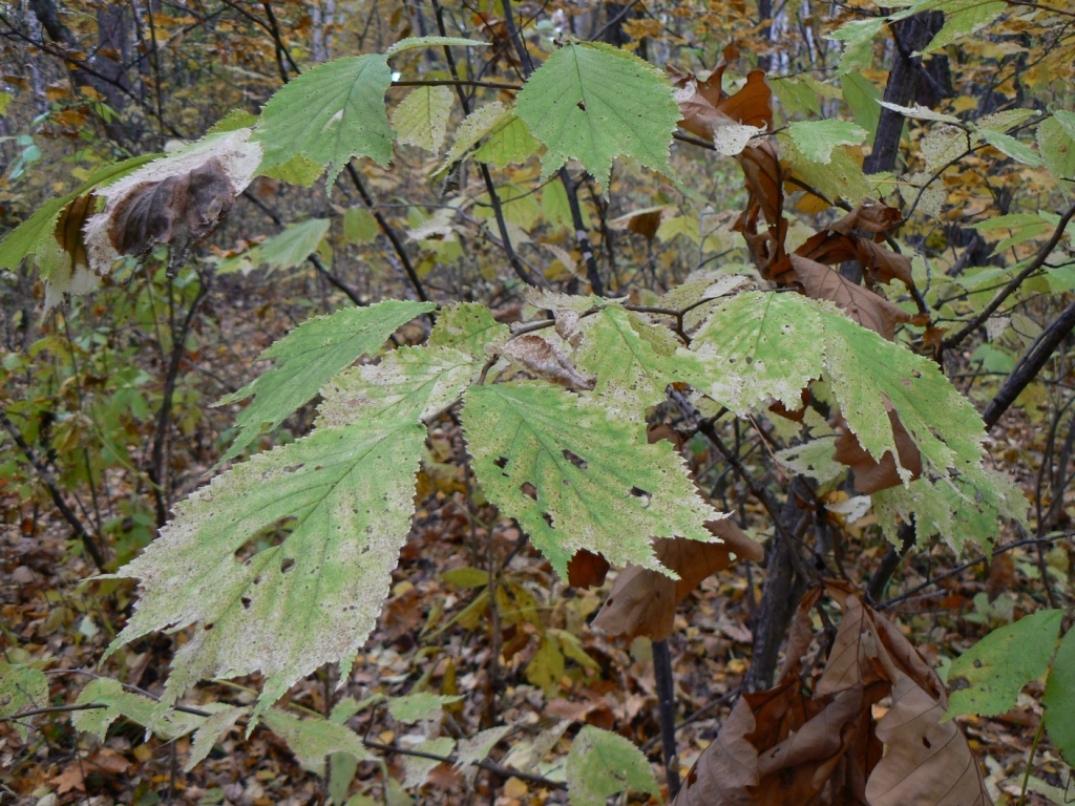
(287,564)
(575,459)
(645,495)
(529,490)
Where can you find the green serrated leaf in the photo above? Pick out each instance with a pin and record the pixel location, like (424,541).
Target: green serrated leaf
(469,327)
(1066,119)
(1059,699)
(285,250)
(211,730)
(475,126)
(841,178)
(329,115)
(411,384)
(858,37)
(417,769)
(345,498)
(313,740)
(1002,121)
(633,360)
(235,119)
(816,139)
(299,170)
(434,42)
(602,764)
(996,668)
(22,686)
(593,102)
(117,702)
(509,141)
(421,119)
(417,707)
(555,463)
(307,357)
(796,96)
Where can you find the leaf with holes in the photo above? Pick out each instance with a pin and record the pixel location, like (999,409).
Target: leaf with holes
(307,357)
(555,463)
(339,504)
(593,102)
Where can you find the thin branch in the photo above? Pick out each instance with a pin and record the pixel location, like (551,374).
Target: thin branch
(1017,281)
(53,487)
(458,82)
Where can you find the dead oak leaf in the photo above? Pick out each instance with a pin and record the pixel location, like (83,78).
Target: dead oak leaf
(862,305)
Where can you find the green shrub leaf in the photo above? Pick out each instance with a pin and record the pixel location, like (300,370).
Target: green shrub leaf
(1059,699)
(593,102)
(307,357)
(601,764)
(555,463)
(330,114)
(988,677)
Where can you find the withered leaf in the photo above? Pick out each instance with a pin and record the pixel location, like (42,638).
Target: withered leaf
(182,208)
(872,475)
(643,602)
(541,358)
(862,305)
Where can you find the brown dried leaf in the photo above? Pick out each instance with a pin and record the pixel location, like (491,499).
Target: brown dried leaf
(540,358)
(643,602)
(728,769)
(178,199)
(872,475)
(586,569)
(861,304)
(926,761)
(177,209)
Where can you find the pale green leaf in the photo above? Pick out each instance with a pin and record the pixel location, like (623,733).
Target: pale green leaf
(1006,144)
(307,357)
(943,145)
(330,114)
(117,702)
(421,119)
(23,686)
(478,747)
(1002,121)
(360,225)
(508,142)
(632,359)
(1066,119)
(314,739)
(813,459)
(546,668)
(434,42)
(1059,699)
(602,764)
(475,126)
(343,499)
(987,678)
(568,454)
(921,113)
(418,707)
(730,139)
(841,178)
(299,170)
(469,327)
(219,723)
(858,37)
(417,769)
(816,139)
(962,17)
(593,102)
(862,97)
(411,384)
(285,250)
(1057,147)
